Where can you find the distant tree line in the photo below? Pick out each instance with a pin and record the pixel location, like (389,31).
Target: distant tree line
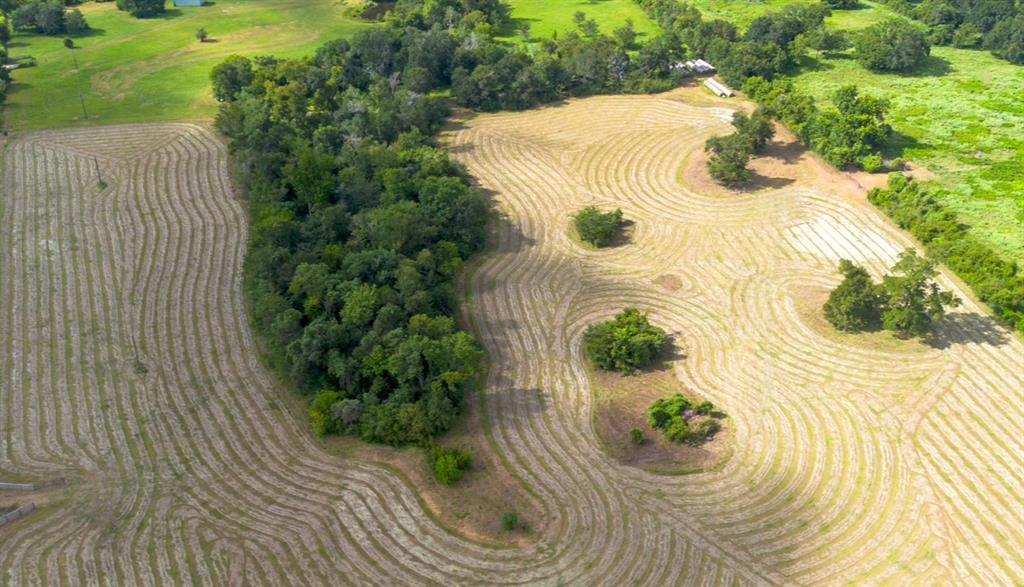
(994,25)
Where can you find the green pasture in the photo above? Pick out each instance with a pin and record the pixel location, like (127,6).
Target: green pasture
(132,70)
(545,17)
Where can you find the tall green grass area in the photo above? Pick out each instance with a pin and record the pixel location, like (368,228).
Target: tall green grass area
(545,17)
(962,117)
(134,70)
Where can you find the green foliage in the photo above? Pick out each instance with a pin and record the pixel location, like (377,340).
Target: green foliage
(892,45)
(681,421)
(730,154)
(598,228)
(913,300)
(636,436)
(908,301)
(624,344)
(856,303)
(448,465)
(142,8)
(359,226)
(728,159)
(48,18)
(999,283)
(509,521)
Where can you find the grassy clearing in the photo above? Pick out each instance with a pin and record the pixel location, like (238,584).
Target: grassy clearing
(960,116)
(545,17)
(133,70)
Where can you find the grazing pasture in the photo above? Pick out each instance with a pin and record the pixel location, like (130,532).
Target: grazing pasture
(545,18)
(144,70)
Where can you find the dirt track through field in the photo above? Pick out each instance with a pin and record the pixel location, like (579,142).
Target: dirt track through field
(127,366)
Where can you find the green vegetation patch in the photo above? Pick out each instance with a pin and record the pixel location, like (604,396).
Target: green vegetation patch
(680,420)
(540,19)
(624,344)
(142,70)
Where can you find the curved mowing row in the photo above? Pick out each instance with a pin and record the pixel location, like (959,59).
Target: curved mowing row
(127,366)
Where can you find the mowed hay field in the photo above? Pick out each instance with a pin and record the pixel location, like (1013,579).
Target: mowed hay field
(855,460)
(128,367)
(143,70)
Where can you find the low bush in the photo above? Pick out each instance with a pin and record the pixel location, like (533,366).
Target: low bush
(683,422)
(448,465)
(598,228)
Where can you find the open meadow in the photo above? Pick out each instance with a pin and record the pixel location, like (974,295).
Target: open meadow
(132,70)
(129,368)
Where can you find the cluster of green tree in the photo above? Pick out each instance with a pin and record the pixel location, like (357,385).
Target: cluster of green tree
(995,25)
(448,465)
(598,228)
(142,8)
(892,45)
(624,344)
(48,18)
(907,302)
(771,45)
(731,153)
(488,75)
(996,281)
(682,421)
(359,225)
(851,134)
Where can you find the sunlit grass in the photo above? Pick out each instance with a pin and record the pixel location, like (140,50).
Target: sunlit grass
(133,70)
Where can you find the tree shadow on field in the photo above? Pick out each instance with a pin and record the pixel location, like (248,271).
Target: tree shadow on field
(760,182)
(931,66)
(967,328)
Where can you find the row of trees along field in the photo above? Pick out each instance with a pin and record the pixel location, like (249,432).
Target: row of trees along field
(994,25)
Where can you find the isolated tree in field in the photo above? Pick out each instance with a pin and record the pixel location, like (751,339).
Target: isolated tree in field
(624,344)
(891,45)
(202,35)
(913,301)
(509,521)
(757,128)
(69,43)
(730,154)
(856,304)
(230,77)
(598,228)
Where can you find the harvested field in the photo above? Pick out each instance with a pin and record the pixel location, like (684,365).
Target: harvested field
(127,366)
(850,462)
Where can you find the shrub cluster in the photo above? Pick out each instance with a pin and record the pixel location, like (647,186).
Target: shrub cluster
(682,421)
(448,465)
(624,344)
(998,282)
(908,301)
(731,153)
(598,228)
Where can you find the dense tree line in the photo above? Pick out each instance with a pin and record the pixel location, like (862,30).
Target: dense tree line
(995,25)
(5,76)
(998,282)
(907,302)
(851,134)
(359,225)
